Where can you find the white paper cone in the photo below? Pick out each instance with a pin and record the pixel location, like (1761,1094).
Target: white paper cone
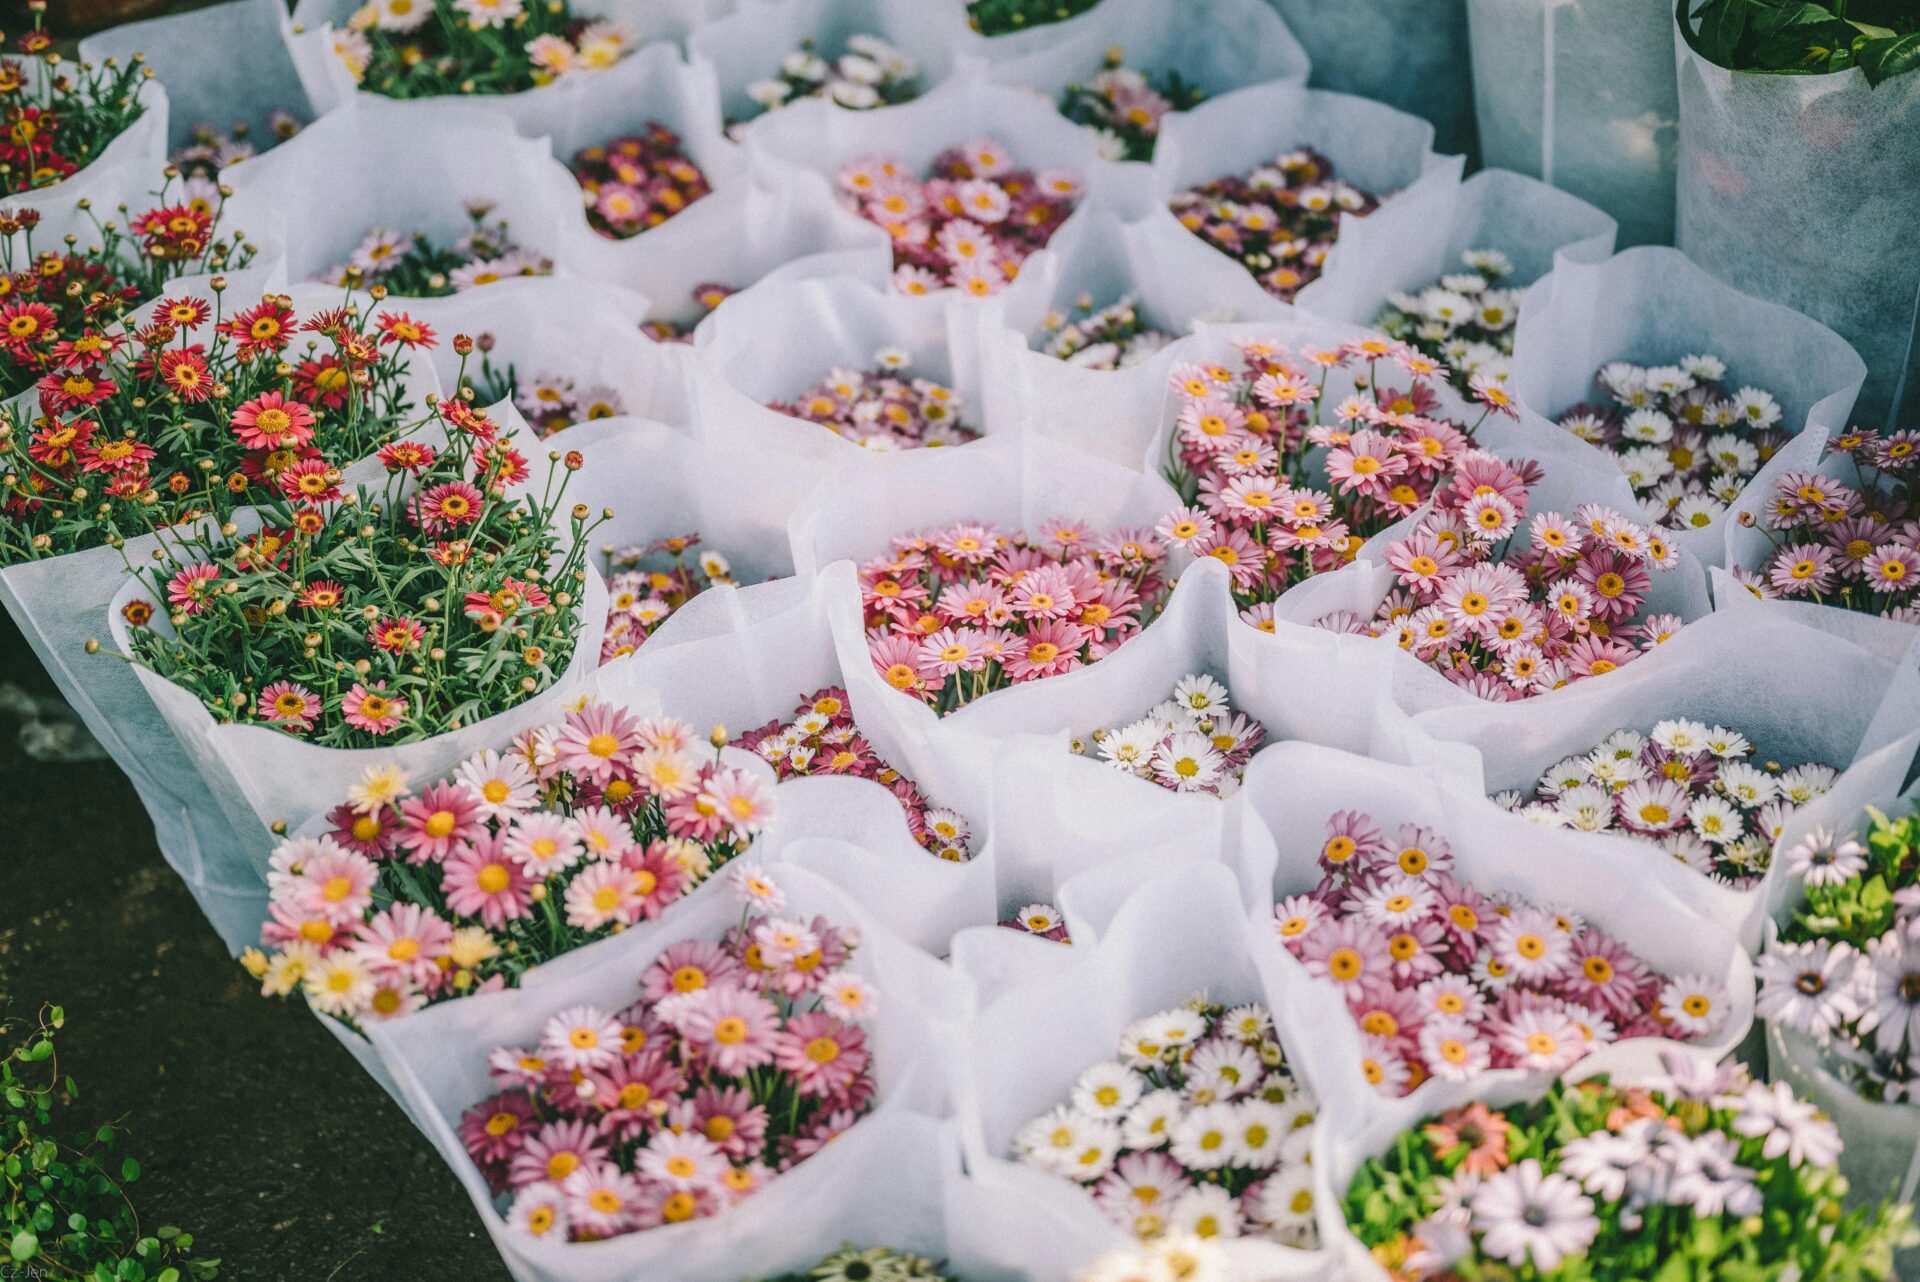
(824,325)
(1294,787)
(1652,306)
(1533,224)
(1720,671)
(1764,159)
(1581,95)
(192,55)
(1374,147)
(1410,54)
(747,44)
(438,1058)
(126,170)
(1180,933)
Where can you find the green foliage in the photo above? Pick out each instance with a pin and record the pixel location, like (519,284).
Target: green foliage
(1860,909)
(1813,37)
(63,1211)
(999,17)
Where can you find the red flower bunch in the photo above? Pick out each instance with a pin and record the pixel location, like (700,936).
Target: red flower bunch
(58,118)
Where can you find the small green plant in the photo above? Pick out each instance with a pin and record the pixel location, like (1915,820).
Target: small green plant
(64,1210)
(999,17)
(1809,37)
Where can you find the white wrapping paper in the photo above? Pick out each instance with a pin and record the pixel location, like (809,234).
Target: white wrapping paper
(826,324)
(1217,46)
(192,55)
(127,168)
(308,35)
(1580,94)
(747,44)
(314,198)
(1760,676)
(1410,54)
(438,1058)
(1294,787)
(1532,223)
(1176,934)
(260,776)
(1374,147)
(1765,160)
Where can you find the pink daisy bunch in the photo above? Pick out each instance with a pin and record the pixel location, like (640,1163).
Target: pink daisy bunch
(647,582)
(957,612)
(1701,793)
(820,738)
(638,182)
(739,1059)
(1281,484)
(1191,742)
(1279,221)
(1124,107)
(1446,981)
(1688,441)
(969,224)
(1854,546)
(1509,607)
(1197,1127)
(883,408)
(579,830)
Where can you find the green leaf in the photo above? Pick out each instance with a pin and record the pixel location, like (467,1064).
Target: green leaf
(1882,60)
(38,1051)
(129,1170)
(24,1246)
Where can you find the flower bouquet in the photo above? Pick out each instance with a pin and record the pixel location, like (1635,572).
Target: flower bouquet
(1508,230)
(1298,209)
(778,1007)
(404,897)
(1191,742)
(428,48)
(1115,336)
(1615,1177)
(883,408)
(638,182)
(868,72)
(62,117)
(1122,106)
(1650,308)
(1252,448)
(412,265)
(647,582)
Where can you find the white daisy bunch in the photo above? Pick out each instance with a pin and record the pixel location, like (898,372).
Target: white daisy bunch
(1192,742)
(1687,442)
(1103,338)
(1196,1128)
(1845,970)
(1691,789)
(870,72)
(1465,319)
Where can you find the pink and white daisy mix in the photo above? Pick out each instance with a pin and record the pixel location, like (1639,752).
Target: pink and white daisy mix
(739,1059)
(822,739)
(578,831)
(968,226)
(1191,742)
(1685,786)
(1279,484)
(1040,919)
(1853,546)
(1446,981)
(1688,443)
(868,72)
(884,408)
(1101,338)
(410,264)
(958,612)
(647,582)
(1465,320)
(1509,617)
(1279,221)
(1198,1127)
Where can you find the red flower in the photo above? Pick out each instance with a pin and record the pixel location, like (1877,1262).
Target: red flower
(73,390)
(24,323)
(403,329)
(324,383)
(185,313)
(447,506)
(120,453)
(314,480)
(185,371)
(272,422)
(265,327)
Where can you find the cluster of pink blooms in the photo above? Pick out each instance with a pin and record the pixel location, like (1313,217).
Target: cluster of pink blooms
(884,408)
(1281,485)
(636,183)
(1279,221)
(579,830)
(970,225)
(1445,981)
(957,612)
(646,583)
(1040,919)
(821,739)
(1687,444)
(1508,622)
(740,1059)
(1854,546)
